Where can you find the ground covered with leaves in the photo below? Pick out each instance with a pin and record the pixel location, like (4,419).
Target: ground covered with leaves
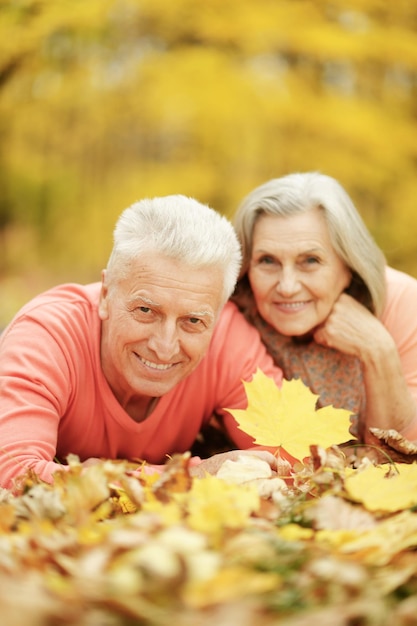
(331,542)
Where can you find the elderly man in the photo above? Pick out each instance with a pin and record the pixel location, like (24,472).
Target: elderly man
(133,366)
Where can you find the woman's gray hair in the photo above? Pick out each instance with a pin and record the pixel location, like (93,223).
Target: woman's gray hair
(181,228)
(299,192)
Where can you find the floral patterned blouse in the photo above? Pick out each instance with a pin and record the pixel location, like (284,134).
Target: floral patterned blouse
(335,377)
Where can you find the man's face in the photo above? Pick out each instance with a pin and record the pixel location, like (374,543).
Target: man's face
(156,325)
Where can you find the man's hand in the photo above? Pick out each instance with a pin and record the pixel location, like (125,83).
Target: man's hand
(213,464)
(91,461)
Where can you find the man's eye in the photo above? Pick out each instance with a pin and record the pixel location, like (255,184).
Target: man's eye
(144,309)
(194,320)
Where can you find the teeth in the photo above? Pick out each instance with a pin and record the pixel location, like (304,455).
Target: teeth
(156,366)
(292,305)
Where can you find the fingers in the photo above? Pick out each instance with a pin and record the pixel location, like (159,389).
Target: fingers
(213,464)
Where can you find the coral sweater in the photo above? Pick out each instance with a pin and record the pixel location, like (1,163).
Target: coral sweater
(55,400)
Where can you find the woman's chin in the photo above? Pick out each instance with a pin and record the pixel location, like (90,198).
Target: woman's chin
(298,333)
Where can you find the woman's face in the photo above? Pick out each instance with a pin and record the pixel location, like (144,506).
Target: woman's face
(295,274)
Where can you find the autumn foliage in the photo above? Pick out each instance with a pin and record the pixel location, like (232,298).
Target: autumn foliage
(330,541)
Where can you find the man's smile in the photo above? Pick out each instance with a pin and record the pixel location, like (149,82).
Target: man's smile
(156,366)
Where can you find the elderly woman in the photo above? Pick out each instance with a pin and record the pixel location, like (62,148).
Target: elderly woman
(329,310)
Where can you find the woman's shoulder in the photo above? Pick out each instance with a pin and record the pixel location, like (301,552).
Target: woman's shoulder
(401,295)
(399,282)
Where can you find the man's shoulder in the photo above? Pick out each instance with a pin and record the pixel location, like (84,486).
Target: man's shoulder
(65,306)
(234,338)
(231,319)
(68,294)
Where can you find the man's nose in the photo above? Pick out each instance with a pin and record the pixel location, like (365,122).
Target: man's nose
(164,342)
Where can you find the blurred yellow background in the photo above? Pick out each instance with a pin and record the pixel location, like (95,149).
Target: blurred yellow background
(104,102)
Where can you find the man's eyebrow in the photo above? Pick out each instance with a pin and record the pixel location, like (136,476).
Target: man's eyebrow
(149,302)
(144,300)
(201,314)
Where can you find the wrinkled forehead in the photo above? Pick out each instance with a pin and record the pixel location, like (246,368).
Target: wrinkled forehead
(162,279)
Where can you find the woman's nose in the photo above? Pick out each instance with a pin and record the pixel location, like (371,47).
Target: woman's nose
(288,282)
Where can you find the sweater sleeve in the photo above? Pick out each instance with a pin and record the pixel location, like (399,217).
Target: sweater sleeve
(35,388)
(401,321)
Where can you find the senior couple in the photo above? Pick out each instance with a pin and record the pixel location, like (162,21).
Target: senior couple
(188,307)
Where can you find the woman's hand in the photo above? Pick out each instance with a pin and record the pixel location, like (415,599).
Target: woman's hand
(352,329)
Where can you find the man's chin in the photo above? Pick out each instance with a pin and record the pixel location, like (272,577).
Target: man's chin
(157,388)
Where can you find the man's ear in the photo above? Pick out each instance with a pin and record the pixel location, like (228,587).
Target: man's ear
(103,308)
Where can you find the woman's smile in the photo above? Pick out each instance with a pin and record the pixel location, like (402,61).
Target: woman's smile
(291,307)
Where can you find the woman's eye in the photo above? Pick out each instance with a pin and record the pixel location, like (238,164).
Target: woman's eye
(311,260)
(266,260)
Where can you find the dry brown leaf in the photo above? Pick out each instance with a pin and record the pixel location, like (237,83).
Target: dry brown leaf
(41,502)
(175,478)
(396,441)
(334,513)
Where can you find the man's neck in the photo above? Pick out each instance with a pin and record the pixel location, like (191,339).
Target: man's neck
(139,410)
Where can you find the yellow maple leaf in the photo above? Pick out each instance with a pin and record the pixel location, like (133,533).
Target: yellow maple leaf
(288,418)
(381,490)
(214,505)
(376,546)
(230,583)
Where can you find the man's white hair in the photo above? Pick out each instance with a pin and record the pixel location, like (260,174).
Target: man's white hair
(180,228)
